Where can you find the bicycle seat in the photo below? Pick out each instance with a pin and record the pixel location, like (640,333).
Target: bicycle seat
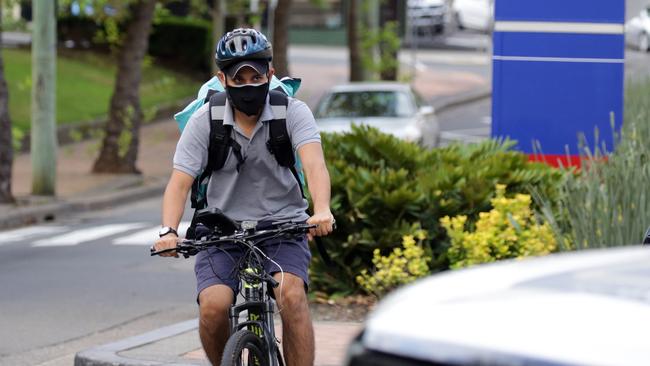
(214,218)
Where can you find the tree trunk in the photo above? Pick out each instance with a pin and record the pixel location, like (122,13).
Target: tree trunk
(218,28)
(389,14)
(356,69)
(43,97)
(6,147)
(281,38)
(120,146)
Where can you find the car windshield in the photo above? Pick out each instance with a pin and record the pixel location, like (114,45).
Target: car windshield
(367,104)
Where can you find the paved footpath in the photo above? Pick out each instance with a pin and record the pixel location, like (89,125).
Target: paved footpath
(179,344)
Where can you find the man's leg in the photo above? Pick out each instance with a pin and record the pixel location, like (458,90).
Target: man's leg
(297,329)
(214,325)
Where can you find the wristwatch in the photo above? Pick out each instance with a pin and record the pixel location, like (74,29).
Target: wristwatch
(166,230)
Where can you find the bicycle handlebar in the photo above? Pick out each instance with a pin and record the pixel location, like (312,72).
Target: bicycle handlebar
(188,247)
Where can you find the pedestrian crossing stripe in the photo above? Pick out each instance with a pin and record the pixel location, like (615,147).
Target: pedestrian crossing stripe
(29,232)
(59,235)
(147,236)
(84,235)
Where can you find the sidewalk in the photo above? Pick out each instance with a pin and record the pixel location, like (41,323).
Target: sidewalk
(179,345)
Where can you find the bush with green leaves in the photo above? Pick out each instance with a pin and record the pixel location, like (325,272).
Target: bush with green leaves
(383,186)
(607,202)
(403,265)
(510,230)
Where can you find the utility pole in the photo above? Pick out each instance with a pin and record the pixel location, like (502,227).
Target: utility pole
(43,128)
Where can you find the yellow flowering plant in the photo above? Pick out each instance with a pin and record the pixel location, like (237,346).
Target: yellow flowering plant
(509,230)
(403,265)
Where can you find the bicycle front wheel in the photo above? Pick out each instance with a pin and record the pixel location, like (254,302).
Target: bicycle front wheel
(244,348)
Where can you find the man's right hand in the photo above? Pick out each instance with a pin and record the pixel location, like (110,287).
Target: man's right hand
(168,241)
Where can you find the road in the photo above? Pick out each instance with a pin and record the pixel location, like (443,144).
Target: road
(85,281)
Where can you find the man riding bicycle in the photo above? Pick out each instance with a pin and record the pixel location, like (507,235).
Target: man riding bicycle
(251,185)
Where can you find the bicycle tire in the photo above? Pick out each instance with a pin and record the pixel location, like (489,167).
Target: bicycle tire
(242,340)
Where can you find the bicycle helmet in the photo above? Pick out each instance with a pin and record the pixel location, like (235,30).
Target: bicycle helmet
(242,44)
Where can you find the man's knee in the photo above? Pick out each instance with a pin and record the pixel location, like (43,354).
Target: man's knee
(292,296)
(214,303)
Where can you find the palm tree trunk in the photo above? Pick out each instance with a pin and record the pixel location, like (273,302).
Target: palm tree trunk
(6,147)
(120,146)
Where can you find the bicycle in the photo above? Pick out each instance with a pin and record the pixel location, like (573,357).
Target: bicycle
(253,341)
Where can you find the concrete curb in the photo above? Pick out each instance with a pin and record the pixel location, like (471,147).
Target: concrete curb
(109,354)
(443,103)
(20,216)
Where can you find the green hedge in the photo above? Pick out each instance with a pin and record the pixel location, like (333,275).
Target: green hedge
(383,187)
(181,43)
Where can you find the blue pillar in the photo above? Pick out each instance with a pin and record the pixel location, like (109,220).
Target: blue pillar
(558,69)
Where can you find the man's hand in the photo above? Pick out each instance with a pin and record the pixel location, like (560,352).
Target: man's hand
(325,222)
(168,241)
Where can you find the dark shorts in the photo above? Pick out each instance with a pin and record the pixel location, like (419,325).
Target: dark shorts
(217,266)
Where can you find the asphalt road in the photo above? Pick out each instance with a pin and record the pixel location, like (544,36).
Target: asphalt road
(84,281)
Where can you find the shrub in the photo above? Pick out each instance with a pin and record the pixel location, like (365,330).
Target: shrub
(509,230)
(608,204)
(403,265)
(182,43)
(382,186)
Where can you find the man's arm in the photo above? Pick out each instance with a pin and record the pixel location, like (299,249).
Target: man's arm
(318,181)
(172,208)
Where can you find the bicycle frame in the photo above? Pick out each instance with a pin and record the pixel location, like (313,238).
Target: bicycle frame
(259,309)
(258,305)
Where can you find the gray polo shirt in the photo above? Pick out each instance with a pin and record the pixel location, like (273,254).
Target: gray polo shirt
(262,189)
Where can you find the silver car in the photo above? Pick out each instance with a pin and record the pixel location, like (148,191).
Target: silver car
(637,31)
(393,108)
(583,308)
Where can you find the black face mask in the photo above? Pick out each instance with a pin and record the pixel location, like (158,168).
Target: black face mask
(248,99)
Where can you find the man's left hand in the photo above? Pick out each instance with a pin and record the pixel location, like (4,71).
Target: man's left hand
(325,222)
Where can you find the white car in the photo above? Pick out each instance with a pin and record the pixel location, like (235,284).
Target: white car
(473,14)
(427,16)
(393,108)
(583,308)
(637,30)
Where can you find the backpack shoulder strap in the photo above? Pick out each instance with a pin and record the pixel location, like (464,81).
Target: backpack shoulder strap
(220,134)
(279,143)
(219,144)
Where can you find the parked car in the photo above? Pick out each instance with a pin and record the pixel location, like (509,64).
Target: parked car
(427,16)
(473,14)
(637,31)
(393,108)
(582,308)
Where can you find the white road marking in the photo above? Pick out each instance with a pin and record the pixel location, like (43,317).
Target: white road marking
(84,235)
(29,232)
(147,236)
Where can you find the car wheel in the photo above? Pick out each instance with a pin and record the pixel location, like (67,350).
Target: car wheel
(459,23)
(644,42)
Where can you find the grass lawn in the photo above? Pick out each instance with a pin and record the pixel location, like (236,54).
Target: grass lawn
(84,86)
